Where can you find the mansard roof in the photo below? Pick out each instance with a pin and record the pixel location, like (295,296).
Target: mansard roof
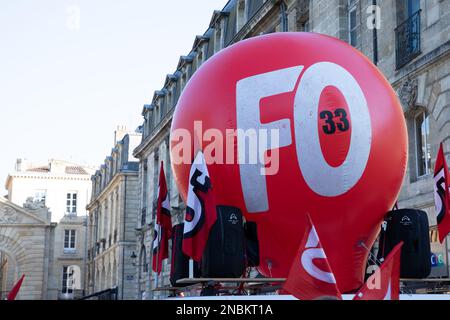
(183,60)
(75,170)
(147,108)
(170,78)
(217,14)
(198,40)
(158,94)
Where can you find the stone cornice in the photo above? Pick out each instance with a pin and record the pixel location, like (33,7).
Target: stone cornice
(27,225)
(51,177)
(421,63)
(69,258)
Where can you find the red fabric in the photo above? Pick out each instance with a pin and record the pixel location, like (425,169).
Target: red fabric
(384,284)
(441,194)
(163,225)
(201,211)
(311,276)
(163,216)
(160,248)
(15,290)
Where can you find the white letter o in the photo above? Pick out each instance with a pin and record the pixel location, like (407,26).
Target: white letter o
(322,178)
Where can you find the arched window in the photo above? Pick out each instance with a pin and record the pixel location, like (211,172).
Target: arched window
(71,279)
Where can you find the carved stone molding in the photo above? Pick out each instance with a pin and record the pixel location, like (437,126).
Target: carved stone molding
(30,204)
(407,93)
(9,215)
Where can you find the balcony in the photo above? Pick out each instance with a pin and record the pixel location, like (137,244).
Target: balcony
(407,40)
(108,294)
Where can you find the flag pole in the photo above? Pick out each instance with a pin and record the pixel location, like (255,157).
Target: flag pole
(158,241)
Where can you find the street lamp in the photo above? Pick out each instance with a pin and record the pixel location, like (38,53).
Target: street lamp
(133,260)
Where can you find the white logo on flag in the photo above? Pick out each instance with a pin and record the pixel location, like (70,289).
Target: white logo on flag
(315,253)
(388,295)
(156,237)
(193,202)
(439,188)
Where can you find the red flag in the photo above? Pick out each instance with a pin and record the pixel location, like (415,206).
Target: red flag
(163,216)
(201,211)
(15,290)
(311,276)
(163,225)
(384,283)
(160,248)
(441,194)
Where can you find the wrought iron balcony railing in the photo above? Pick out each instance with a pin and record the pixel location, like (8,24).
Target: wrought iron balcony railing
(108,294)
(407,40)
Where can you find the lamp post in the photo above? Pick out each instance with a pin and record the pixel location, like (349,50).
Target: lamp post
(133,262)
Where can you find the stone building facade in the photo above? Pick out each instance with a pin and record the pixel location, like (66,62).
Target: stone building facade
(113,214)
(50,255)
(63,186)
(407,39)
(56,192)
(67,269)
(25,248)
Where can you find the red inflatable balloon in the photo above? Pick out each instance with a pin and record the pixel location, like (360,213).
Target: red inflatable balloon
(334,124)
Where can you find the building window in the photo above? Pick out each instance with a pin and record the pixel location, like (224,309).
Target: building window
(352,23)
(40,196)
(143,259)
(69,241)
(407,33)
(67,280)
(169,99)
(413,7)
(162,104)
(71,204)
(217,39)
(156,117)
(199,57)
(183,78)
(241,15)
(423,147)
(145,187)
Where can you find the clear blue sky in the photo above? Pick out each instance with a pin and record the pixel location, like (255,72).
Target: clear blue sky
(67,79)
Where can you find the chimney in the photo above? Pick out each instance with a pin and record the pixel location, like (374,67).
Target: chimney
(121,131)
(58,167)
(22,165)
